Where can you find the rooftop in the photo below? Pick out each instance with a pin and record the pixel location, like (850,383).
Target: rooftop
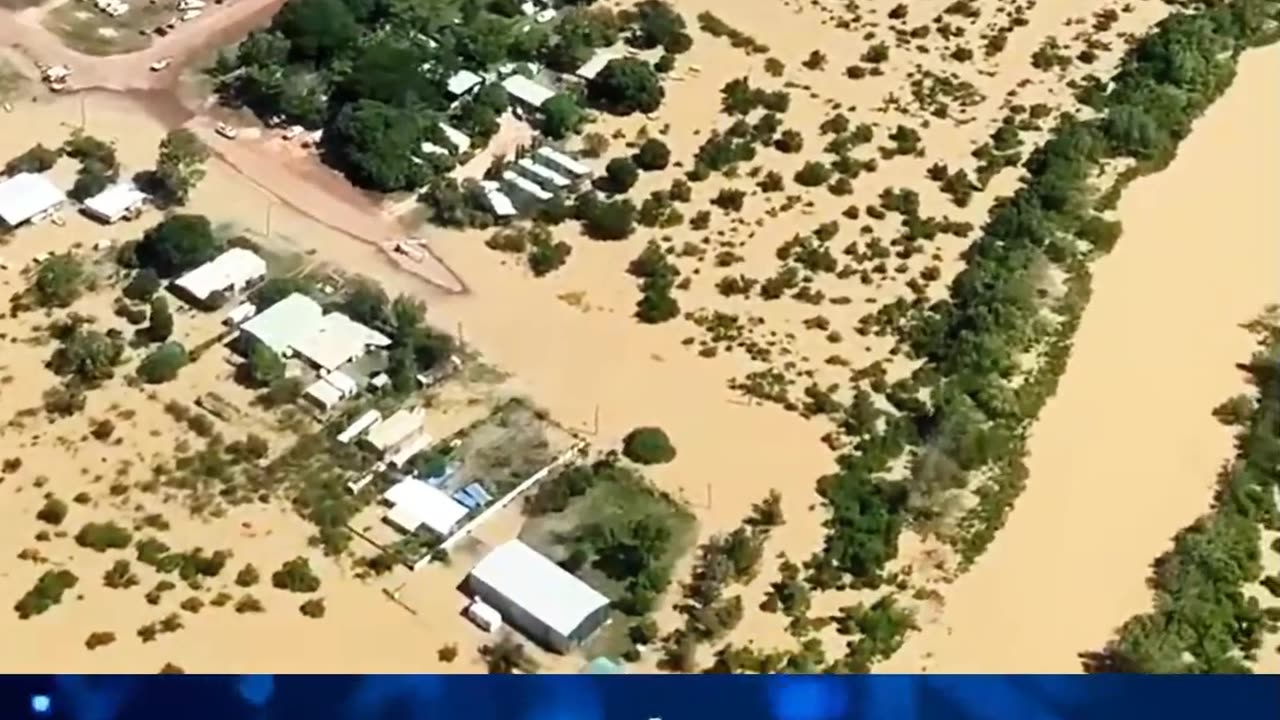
(592,67)
(232,269)
(115,201)
(417,503)
(298,324)
(393,430)
(527,91)
(25,196)
(462,81)
(565,162)
(543,589)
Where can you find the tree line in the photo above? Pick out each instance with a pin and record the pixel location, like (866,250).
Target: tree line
(968,406)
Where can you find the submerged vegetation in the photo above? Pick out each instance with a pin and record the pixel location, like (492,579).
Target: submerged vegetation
(993,350)
(1205,620)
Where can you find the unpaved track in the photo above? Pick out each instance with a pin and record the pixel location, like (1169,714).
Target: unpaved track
(306,186)
(1126,453)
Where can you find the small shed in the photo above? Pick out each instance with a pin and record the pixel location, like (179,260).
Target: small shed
(527,92)
(395,430)
(115,203)
(485,617)
(500,204)
(545,602)
(230,272)
(462,82)
(357,428)
(546,176)
(28,197)
(591,68)
(240,313)
(456,137)
(562,161)
(526,186)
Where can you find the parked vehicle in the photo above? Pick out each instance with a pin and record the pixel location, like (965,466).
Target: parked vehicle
(161,64)
(226,131)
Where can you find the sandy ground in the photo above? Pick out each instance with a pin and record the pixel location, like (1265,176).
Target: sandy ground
(587,361)
(1126,453)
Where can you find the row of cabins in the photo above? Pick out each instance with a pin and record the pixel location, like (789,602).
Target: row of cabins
(32,198)
(537,177)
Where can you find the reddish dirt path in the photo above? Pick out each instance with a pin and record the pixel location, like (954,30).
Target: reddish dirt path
(302,183)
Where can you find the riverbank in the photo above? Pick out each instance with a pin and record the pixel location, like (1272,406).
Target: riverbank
(1125,453)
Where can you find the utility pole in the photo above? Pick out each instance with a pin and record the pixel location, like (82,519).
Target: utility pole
(82,111)
(708,496)
(596,426)
(270,205)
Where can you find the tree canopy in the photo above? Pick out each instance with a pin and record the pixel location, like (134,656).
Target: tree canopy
(626,85)
(378,144)
(177,244)
(180,165)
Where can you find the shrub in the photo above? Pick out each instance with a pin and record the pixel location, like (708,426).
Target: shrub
(99,639)
(53,512)
(249,604)
(313,608)
(103,536)
(48,591)
(163,364)
(621,175)
(143,284)
(103,429)
(653,154)
(648,446)
(813,174)
(248,576)
(120,576)
(447,653)
(296,576)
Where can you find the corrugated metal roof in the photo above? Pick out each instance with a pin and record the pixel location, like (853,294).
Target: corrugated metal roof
(233,268)
(25,196)
(543,589)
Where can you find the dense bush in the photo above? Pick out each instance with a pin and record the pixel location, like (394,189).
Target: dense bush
(103,536)
(163,364)
(297,576)
(648,446)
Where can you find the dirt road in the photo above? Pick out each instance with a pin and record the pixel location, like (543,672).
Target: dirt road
(23,30)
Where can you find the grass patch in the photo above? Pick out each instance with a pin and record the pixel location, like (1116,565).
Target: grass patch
(11,81)
(83,28)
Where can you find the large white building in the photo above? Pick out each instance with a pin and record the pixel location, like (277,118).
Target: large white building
(229,273)
(538,597)
(28,197)
(297,325)
(529,93)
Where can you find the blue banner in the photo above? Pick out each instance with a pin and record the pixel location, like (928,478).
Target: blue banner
(639,697)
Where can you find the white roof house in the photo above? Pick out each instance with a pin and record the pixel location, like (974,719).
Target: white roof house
(566,163)
(362,423)
(456,137)
(526,185)
(229,272)
(240,313)
(551,177)
(537,595)
(416,504)
(527,91)
(430,148)
(592,67)
(28,196)
(393,431)
(462,82)
(115,202)
(337,341)
(297,324)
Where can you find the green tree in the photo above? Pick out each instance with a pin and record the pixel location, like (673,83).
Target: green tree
(160,324)
(317,30)
(649,446)
(163,364)
(177,244)
(625,86)
(608,219)
(376,145)
(657,24)
(59,281)
(264,366)
(88,355)
(620,175)
(367,303)
(35,160)
(180,166)
(653,154)
(53,512)
(506,657)
(561,116)
(142,285)
(297,576)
